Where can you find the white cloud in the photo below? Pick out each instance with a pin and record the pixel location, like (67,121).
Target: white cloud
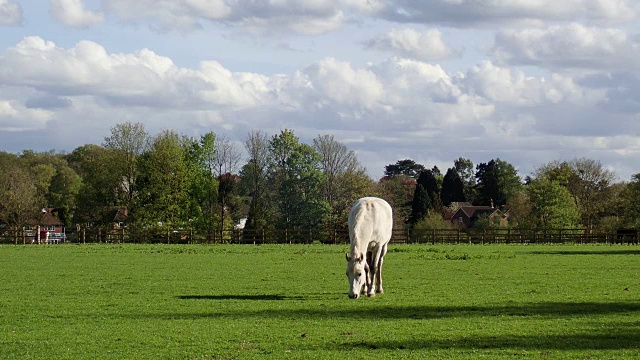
(10,13)
(72,13)
(399,108)
(427,45)
(14,117)
(569,46)
(510,86)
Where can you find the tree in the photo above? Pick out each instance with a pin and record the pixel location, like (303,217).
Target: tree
(590,187)
(452,188)
(433,220)
(465,170)
(405,167)
(520,211)
(297,180)
(254,177)
(421,204)
(100,185)
(164,182)
(227,159)
(19,199)
(426,196)
(497,182)
(127,143)
(63,192)
(552,206)
(632,194)
(399,192)
(345,179)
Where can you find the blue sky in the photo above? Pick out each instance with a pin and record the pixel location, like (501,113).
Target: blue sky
(526,81)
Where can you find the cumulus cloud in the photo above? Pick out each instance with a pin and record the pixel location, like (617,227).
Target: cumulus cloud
(10,13)
(15,117)
(72,13)
(569,46)
(427,45)
(397,108)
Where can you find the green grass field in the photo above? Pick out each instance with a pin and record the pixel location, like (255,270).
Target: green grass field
(290,301)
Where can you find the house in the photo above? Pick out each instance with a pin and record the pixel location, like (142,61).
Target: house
(466,216)
(51,229)
(119,217)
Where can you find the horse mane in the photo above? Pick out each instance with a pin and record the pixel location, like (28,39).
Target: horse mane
(364,207)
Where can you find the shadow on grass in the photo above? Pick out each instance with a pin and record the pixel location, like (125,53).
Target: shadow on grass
(608,339)
(582,252)
(255,297)
(233,297)
(371,311)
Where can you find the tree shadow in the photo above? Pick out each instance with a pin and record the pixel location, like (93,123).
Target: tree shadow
(607,339)
(583,252)
(232,297)
(390,312)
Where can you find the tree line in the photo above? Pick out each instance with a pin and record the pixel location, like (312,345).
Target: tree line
(169,180)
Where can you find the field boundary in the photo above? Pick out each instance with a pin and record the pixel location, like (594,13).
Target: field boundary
(335,236)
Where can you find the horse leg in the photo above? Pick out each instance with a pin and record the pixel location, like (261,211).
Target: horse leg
(378,273)
(367,281)
(375,263)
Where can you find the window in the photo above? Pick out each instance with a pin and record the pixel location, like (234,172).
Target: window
(460,219)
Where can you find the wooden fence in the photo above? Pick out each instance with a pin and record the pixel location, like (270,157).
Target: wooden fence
(307,236)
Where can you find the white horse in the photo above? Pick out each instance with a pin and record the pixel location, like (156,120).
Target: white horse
(370,224)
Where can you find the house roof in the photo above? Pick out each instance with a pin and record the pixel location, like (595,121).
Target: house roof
(47,219)
(120,214)
(474,211)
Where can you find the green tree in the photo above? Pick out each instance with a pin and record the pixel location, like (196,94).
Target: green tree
(466,171)
(590,186)
(19,199)
(552,205)
(426,196)
(433,220)
(205,155)
(452,188)
(63,192)
(99,187)
(631,194)
(399,192)
(406,167)
(297,180)
(421,204)
(164,185)
(497,181)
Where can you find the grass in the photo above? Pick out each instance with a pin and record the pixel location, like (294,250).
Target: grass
(290,302)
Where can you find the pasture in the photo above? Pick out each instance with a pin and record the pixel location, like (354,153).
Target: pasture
(290,302)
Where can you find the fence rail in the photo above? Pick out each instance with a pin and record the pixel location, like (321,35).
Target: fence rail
(335,236)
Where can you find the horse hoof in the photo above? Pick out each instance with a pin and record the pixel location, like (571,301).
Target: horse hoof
(372,294)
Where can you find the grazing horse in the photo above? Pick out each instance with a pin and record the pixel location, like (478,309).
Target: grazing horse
(370,224)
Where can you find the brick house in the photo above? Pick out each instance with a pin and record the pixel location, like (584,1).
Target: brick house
(466,216)
(51,229)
